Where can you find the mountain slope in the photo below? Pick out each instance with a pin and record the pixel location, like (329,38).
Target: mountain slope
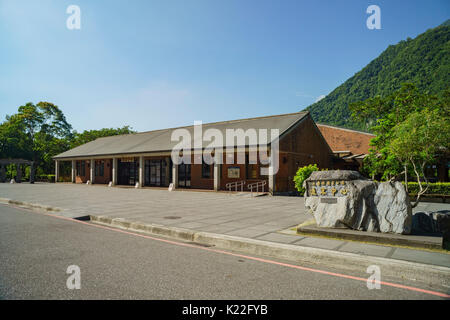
(424,61)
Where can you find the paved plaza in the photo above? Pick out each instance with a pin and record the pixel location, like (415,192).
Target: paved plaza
(262,218)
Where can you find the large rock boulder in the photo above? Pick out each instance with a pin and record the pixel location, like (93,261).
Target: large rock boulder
(437,222)
(346,199)
(433,223)
(349,211)
(393,208)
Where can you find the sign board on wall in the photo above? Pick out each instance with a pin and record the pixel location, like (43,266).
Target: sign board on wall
(234,172)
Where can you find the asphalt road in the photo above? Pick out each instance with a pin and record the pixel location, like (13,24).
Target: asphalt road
(36,250)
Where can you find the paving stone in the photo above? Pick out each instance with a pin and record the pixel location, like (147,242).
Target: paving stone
(216,229)
(247,233)
(277,237)
(427,257)
(365,249)
(192,225)
(319,243)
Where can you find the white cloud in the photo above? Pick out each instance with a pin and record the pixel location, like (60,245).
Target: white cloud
(320,97)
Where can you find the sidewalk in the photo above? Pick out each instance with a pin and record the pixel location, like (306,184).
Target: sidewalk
(269,219)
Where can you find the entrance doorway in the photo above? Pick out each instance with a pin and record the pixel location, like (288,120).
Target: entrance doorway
(155,172)
(128,171)
(184,175)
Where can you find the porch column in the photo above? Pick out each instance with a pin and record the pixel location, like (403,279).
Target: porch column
(272,178)
(56,170)
(175,175)
(167,172)
(114,171)
(141,171)
(217,175)
(92,172)
(73,171)
(19,172)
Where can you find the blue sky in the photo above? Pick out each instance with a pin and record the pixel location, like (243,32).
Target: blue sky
(156,64)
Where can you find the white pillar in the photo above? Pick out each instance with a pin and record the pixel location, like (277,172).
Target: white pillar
(92,172)
(167,173)
(56,170)
(272,178)
(141,171)
(114,171)
(175,175)
(217,176)
(73,171)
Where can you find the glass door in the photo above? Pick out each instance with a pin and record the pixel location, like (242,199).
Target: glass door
(155,172)
(128,171)
(184,175)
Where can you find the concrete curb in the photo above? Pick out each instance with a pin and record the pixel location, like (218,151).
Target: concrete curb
(430,274)
(29,205)
(381,239)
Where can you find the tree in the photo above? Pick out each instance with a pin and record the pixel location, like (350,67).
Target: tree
(423,61)
(39,132)
(36,132)
(410,127)
(417,140)
(90,135)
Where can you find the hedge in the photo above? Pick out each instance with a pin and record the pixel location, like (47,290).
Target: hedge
(438,188)
(45,177)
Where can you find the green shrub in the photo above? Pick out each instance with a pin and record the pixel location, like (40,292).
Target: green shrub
(441,188)
(302,174)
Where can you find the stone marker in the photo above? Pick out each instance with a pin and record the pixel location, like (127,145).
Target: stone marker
(346,199)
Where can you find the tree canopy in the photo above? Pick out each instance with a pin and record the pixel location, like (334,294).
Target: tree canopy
(423,61)
(39,132)
(412,130)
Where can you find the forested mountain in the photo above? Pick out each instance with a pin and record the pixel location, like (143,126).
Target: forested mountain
(423,61)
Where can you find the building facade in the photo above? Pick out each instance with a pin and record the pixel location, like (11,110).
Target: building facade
(145,159)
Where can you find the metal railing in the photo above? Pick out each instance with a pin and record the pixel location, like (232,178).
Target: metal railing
(257,186)
(235,185)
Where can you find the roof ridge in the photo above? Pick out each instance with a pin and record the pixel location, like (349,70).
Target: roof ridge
(210,123)
(327,125)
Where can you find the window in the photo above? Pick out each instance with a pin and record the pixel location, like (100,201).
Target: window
(78,168)
(206,170)
(83,168)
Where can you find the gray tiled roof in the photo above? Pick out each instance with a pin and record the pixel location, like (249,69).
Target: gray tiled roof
(160,140)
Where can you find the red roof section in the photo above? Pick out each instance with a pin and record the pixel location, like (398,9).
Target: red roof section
(340,139)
